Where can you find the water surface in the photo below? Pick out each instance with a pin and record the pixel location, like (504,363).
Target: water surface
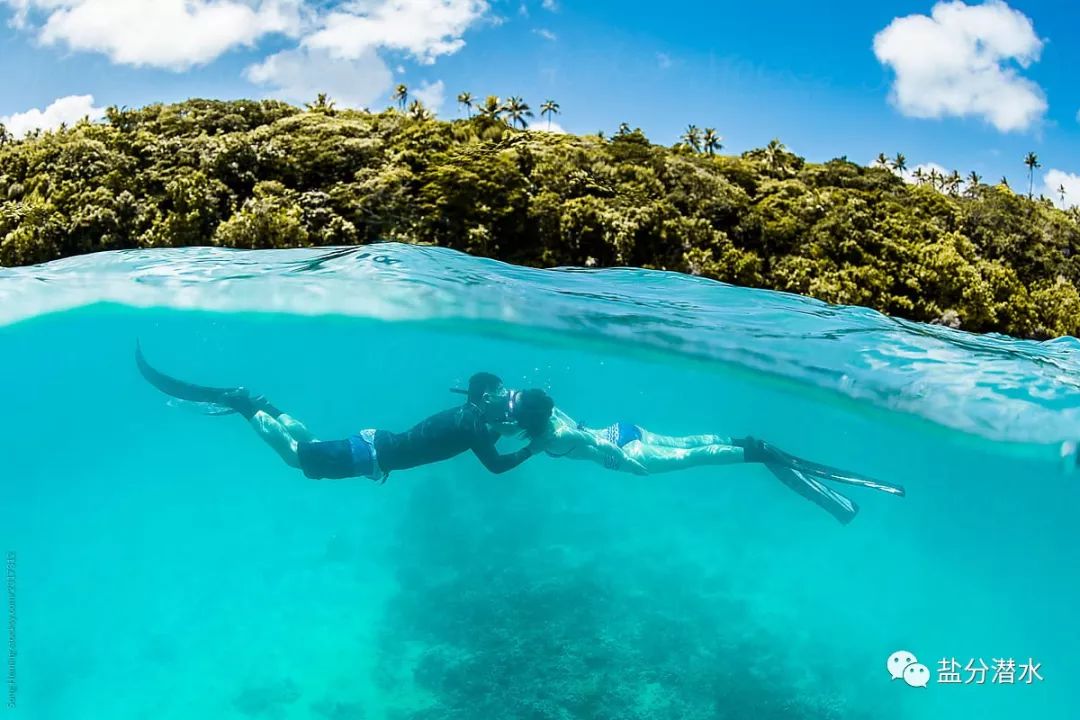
(169,566)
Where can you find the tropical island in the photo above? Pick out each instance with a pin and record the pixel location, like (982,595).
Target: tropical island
(937,247)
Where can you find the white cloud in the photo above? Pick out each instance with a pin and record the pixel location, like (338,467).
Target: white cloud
(341,56)
(1054,180)
(174,34)
(432,95)
(426,29)
(299,75)
(179,34)
(550,5)
(962,61)
(69,110)
(341,43)
(546,34)
(544,126)
(927,168)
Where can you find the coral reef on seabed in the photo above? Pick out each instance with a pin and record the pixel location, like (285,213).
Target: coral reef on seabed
(508,608)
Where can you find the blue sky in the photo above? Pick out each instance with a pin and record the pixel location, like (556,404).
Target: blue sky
(967,86)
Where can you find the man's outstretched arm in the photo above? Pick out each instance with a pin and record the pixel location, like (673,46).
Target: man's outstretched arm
(497,463)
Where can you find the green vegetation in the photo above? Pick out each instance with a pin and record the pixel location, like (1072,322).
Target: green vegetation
(266,174)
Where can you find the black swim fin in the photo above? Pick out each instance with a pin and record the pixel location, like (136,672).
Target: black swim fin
(217,400)
(826,472)
(178,388)
(840,507)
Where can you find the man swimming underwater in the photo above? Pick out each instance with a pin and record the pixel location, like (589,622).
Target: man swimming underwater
(631,448)
(373,454)
(490,410)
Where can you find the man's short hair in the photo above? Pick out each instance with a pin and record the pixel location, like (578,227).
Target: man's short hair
(481,384)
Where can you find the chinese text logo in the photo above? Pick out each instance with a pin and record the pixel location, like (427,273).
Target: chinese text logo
(903,665)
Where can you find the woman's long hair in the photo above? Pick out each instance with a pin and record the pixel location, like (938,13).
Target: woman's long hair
(532,410)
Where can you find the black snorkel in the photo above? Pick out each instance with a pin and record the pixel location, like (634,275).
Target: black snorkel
(500,404)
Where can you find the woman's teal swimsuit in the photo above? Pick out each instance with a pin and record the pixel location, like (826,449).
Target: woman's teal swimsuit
(621,433)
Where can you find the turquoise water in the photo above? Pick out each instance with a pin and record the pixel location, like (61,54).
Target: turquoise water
(170,566)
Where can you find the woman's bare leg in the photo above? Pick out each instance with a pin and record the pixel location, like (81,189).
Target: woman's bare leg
(658,459)
(685,442)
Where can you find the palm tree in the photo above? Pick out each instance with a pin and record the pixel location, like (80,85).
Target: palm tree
(774,155)
(1061,192)
(401,95)
(882,160)
(417,111)
(322,104)
(5,135)
(899,163)
(492,109)
(711,142)
(974,180)
(549,108)
(465,99)
(1004,181)
(919,176)
(517,110)
(953,181)
(1032,162)
(624,129)
(692,138)
(935,178)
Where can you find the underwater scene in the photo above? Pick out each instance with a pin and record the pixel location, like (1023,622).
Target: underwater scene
(163,562)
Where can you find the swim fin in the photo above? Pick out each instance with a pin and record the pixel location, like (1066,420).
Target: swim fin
(178,388)
(826,472)
(832,502)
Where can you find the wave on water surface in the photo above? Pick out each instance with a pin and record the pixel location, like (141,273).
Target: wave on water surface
(993,386)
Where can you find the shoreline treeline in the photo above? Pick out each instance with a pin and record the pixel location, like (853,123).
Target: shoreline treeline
(265,174)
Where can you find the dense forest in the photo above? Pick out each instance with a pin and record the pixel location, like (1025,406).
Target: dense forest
(266,174)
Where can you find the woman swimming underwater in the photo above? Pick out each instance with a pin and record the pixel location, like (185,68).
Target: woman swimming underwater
(630,448)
